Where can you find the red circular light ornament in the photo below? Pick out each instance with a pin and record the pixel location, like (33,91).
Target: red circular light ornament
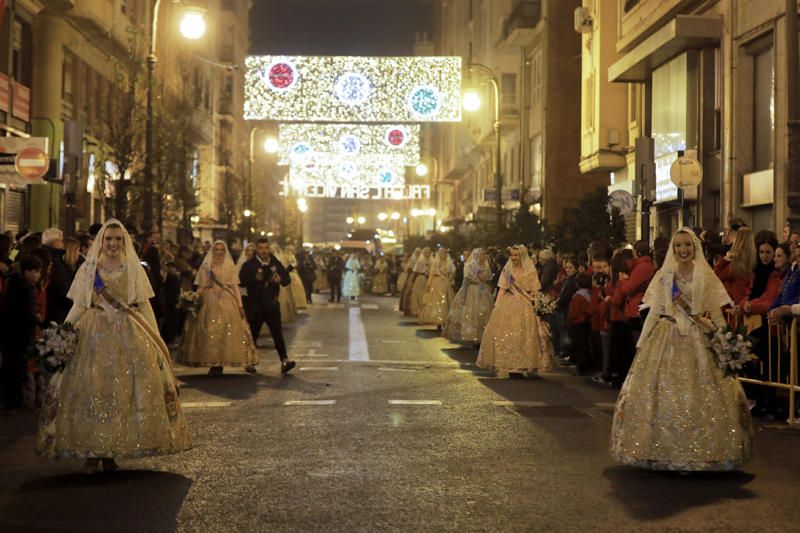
(281,76)
(396,137)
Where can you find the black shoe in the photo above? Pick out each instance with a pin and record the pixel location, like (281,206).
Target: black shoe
(286,366)
(250,369)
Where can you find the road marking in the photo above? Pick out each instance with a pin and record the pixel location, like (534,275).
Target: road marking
(605,405)
(334,306)
(475,372)
(309,402)
(312,353)
(393,341)
(389,369)
(330,368)
(359,351)
(508,403)
(313,344)
(369,306)
(191,405)
(415,402)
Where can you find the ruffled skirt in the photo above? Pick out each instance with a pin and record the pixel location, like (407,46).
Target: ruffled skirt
(351,285)
(298,290)
(116,399)
(218,335)
(677,410)
(469,313)
(515,339)
(414,304)
(287,305)
(380,283)
(436,302)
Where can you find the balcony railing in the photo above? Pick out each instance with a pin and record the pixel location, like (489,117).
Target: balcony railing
(525,14)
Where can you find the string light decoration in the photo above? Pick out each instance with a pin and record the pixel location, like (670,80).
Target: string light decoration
(333,169)
(301,141)
(353,89)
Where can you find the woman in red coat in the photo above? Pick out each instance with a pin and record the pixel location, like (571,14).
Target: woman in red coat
(735,270)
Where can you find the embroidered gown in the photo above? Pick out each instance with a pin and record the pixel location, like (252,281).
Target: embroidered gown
(351,284)
(471,307)
(676,409)
(118,397)
(218,335)
(438,295)
(296,286)
(515,338)
(421,270)
(380,282)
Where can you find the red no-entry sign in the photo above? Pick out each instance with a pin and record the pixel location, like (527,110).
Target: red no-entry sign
(32,163)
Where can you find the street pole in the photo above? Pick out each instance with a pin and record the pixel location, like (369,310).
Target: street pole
(498,179)
(793,111)
(147,198)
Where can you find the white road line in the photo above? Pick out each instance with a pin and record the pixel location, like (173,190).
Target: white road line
(475,372)
(507,403)
(312,344)
(359,351)
(389,369)
(309,402)
(392,341)
(329,368)
(191,405)
(605,405)
(369,306)
(311,354)
(415,402)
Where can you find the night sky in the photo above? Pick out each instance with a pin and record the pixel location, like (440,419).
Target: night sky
(338,27)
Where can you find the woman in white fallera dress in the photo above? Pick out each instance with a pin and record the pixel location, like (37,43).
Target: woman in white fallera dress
(351,284)
(286,296)
(472,306)
(439,290)
(219,335)
(515,340)
(296,286)
(117,398)
(407,282)
(677,410)
(421,270)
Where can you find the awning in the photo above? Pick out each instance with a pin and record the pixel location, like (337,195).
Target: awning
(684,32)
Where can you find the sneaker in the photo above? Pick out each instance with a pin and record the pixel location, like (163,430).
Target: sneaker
(250,369)
(286,366)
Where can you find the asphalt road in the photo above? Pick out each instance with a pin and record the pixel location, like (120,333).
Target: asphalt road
(384,426)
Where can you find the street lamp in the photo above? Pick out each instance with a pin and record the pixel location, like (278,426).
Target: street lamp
(271,145)
(361,220)
(395,216)
(383,216)
(422,170)
(302,206)
(471,102)
(192,27)
(349,220)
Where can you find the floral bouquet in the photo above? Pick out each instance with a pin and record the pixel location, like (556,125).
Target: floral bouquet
(732,349)
(543,304)
(189,302)
(55,348)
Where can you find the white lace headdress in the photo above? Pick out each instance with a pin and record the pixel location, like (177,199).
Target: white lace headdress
(473,264)
(139,289)
(528,269)
(225,273)
(243,257)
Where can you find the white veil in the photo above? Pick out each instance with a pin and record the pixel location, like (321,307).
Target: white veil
(243,257)
(225,275)
(528,269)
(449,267)
(708,293)
(473,265)
(139,289)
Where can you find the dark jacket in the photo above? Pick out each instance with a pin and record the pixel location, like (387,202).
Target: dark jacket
(549,275)
(262,294)
(19,307)
(335,266)
(58,305)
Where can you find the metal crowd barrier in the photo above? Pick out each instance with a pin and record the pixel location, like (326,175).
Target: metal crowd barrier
(775,375)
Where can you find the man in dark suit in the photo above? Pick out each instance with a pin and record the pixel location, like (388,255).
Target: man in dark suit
(335,267)
(263,276)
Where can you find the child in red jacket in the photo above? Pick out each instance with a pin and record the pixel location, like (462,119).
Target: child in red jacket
(579,323)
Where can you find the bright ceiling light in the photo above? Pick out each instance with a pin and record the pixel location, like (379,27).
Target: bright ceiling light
(471,100)
(193,24)
(271,145)
(422,169)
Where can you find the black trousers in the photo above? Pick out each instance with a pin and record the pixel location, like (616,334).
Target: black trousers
(581,346)
(623,350)
(272,318)
(308,285)
(336,288)
(12,374)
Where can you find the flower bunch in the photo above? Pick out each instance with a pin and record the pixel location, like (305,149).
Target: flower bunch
(189,302)
(55,348)
(543,304)
(732,349)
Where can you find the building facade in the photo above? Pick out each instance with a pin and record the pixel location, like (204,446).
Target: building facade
(90,59)
(707,77)
(534,54)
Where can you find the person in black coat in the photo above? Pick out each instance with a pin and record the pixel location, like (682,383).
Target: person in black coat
(20,319)
(307,270)
(60,278)
(335,267)
(263,276)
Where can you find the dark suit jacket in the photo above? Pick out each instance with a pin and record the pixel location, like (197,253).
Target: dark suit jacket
(262,295)
(335,266)
(58,305)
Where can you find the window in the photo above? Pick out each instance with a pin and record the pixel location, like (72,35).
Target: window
(22,59)
(508,91)
(763,107)
(536,78)
(536,161)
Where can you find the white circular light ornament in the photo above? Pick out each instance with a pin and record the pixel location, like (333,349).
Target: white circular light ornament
(686,172)
(352,88)
(348,171)
(396,137)
(349,144)
(424,101)
(281,75)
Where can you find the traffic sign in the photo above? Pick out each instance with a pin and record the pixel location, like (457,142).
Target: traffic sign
(32,163)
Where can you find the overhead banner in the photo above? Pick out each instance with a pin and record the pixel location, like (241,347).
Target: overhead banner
(353,89)
(299,142)
(372,171)
(319,190)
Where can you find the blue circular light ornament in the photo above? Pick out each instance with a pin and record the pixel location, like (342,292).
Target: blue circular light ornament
(353,88)
(386,177)
(424,100)
(349,144)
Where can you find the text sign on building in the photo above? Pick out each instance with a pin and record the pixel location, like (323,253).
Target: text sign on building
(312,190)
(353,89)
(299,142)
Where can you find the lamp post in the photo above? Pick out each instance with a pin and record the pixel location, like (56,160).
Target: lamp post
(472,103)
(422,170)
(270,146)
(302,207)
(192,27)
